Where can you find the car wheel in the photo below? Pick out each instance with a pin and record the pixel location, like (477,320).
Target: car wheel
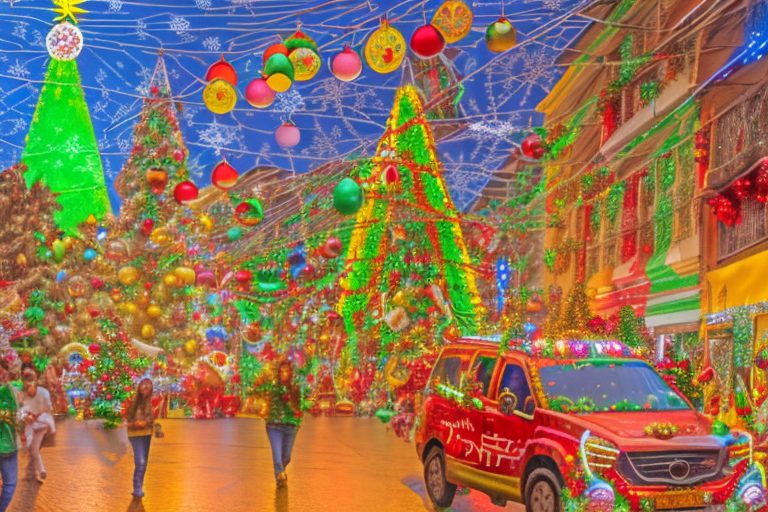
(542,492)
(440,490)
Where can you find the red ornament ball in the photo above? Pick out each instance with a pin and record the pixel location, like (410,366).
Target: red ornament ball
(391,174)
(224,176)
(178,155)
(94,348)
(532,147)
(427,41)
(185,191)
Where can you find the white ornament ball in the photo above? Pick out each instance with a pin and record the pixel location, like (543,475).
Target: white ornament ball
(64,42)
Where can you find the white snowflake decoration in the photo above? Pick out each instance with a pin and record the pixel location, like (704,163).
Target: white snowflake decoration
(179,25)
(203,4)
(212,43)
(64,42)
(115,5)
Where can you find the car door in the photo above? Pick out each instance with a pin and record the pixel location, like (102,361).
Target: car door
(508,423)
(468,436)
(444,416)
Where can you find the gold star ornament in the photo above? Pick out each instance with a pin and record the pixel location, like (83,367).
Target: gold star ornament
(68,9)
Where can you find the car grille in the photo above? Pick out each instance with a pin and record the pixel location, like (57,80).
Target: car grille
(674,468)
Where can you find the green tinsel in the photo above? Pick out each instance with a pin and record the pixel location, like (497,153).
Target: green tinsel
(614,201)
(595,217)
(743,332)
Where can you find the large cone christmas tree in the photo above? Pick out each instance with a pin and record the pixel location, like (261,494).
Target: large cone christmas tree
(61,150)
(158,159)
(406,253)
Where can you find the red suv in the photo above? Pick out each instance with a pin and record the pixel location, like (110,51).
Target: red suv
(547,424)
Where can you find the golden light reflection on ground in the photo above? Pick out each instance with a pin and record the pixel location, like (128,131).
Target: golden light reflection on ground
(339,465)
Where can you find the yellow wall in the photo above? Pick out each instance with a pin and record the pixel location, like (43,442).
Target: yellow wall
(745,283)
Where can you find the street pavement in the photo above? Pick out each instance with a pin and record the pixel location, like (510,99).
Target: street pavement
(339,465)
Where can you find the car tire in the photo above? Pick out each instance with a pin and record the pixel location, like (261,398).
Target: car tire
(440,490)
(542,492)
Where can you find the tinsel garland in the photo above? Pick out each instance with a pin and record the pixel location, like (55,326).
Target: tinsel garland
(613,201)
(629,220)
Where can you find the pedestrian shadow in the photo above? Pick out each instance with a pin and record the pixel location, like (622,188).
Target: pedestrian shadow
(26,494)
(281,499)
(108,445)
(136,505)
(416,484)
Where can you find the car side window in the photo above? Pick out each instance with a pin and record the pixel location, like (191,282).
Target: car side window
(483,371)
(513,380)
(448,370)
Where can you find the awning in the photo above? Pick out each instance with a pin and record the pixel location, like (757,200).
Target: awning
(738,284)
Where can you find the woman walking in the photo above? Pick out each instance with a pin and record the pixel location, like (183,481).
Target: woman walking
(36,412)
(284,419)
(9,447)
(140,420)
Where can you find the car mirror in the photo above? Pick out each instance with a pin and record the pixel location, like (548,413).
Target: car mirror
(507,402)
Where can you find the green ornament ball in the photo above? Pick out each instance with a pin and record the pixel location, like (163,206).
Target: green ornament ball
(347,196)
(234,233)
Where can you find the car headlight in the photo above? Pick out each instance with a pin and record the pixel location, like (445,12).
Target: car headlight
(597,454)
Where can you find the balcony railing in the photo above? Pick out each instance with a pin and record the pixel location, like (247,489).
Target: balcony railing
(752,229)
(740,138)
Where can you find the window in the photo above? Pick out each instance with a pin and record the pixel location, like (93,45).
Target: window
(514,380)
(484,366)
(752,229)
(447,370)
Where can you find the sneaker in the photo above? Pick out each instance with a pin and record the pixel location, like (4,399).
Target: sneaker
(43,475)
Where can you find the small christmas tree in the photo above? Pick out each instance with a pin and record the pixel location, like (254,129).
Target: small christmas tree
(158,159)
(115,366)
(575,321)
(630,328)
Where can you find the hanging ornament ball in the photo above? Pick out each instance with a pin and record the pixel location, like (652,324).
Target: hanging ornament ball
(303,54)
(64,41)
(385,49)
(287,135)
(532,147)
(185,191)
(347,196)
(454,19)
(280,72)
(500,36)
(306,63)
(224,176)
(259,94)
(249,212)
(347,65)
(222,70)
(275,48)
(157,179)
(427,42)
(219,96)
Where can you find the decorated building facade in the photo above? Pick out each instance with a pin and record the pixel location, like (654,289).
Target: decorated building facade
(621,124)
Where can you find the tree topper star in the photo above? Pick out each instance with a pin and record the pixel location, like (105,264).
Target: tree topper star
(67,9)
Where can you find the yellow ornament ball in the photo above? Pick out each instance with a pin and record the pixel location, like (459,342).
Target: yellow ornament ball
(170,280)
(190,347)
(147,332)
(185,274)
(219,96)
(128,275)
(130,308)
(154,311)
(306,63)
(159,236)
(385,49)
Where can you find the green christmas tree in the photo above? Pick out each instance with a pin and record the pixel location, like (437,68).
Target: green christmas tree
(61,151)
(158,159)
(406,236)
(115,365)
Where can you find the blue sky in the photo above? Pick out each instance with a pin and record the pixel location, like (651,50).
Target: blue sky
(336,119)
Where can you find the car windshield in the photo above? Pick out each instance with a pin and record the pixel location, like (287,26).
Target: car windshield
(607,386)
